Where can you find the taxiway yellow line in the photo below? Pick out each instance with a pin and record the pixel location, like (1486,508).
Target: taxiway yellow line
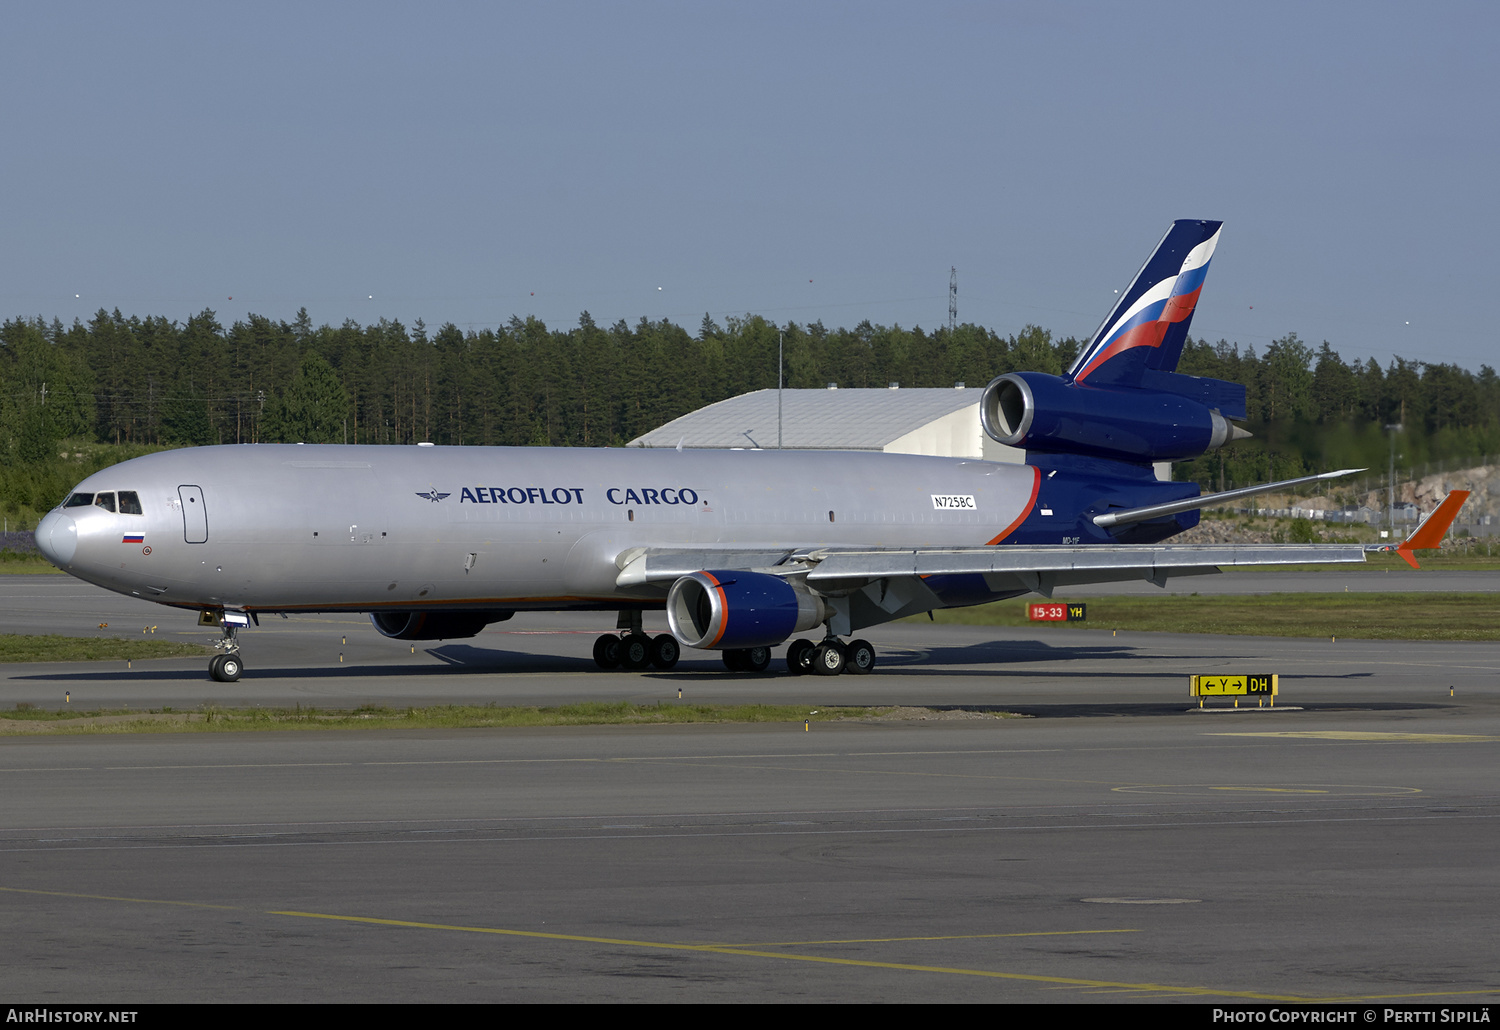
(112,897)
(898,940)
(755,951)
(1366,735)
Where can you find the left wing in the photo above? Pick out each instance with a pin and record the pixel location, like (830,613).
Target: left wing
(1041,568)
(1038,568)
(867,586)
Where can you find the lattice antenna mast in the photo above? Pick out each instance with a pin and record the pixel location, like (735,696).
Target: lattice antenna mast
(952,300)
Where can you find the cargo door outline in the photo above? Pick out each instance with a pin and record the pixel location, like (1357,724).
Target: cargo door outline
(194,514)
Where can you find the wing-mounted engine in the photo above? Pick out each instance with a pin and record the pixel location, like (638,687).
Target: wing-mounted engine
(722,610)
(1049,414)
(434,625)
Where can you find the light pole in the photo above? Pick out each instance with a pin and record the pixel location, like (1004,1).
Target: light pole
(780,342)
(1390,481)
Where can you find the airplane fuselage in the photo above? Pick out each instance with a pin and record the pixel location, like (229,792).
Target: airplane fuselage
(318,528)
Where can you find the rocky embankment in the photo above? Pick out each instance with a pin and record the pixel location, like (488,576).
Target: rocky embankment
(1482,482)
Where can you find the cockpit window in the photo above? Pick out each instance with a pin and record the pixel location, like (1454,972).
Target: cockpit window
(130,503)
(79,501)
(105,501)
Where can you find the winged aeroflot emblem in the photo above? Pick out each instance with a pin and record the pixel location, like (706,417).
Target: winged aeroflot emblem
(432,495)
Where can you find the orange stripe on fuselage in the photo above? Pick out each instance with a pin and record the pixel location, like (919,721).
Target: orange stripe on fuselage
(1036,488)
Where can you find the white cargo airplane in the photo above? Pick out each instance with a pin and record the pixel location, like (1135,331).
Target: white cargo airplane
(744,549)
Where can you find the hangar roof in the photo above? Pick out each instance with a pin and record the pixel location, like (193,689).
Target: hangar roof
(857,420)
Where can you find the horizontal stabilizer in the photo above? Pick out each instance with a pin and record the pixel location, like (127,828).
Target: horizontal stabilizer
(1156,511)
(1227,398)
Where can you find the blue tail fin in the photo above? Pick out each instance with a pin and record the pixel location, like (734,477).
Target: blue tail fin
(1146,330)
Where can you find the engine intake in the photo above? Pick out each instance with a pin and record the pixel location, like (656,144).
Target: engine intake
(727,609)
(434,625)
(1045,413)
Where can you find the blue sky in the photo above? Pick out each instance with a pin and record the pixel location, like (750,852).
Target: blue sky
(468,162)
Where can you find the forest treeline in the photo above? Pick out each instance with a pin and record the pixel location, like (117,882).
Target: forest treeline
(148,382)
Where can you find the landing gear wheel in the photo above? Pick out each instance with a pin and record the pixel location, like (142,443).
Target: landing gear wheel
(665,651)
(859,657)
(607,651)
(225,668)
(798,656)
(635,651)
(747,659)
(828,659)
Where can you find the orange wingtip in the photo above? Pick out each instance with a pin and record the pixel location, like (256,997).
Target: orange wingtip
(1430,532)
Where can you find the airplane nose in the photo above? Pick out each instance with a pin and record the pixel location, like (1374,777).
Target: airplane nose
(57,537)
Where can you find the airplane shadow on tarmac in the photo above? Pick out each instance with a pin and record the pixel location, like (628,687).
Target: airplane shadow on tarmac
(988,658)
(480,661)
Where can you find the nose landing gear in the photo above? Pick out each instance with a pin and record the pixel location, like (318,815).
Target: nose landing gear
(226,667)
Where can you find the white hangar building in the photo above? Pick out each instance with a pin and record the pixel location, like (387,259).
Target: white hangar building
(944,423)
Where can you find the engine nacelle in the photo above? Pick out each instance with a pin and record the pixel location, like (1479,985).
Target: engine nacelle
(724,609)
(434,625)
(1041,412)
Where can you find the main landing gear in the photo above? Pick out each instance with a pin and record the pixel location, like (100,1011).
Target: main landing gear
(630,648)
(830,658)
(636,651)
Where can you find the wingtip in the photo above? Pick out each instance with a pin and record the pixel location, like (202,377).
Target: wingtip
(1430,532)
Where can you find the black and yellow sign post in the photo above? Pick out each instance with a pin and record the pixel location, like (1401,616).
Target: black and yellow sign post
(1258,685)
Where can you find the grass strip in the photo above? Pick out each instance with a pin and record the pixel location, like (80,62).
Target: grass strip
(20,565)
(52,647)
(1352,616)
(29,719)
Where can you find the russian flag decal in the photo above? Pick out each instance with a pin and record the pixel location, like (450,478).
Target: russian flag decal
(133,538)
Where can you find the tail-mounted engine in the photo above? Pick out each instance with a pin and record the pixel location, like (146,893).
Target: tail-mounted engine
(723,610)
(434,625)
(1048,414)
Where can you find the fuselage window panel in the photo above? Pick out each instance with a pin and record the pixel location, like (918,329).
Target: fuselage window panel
(130,503)
(105,501)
